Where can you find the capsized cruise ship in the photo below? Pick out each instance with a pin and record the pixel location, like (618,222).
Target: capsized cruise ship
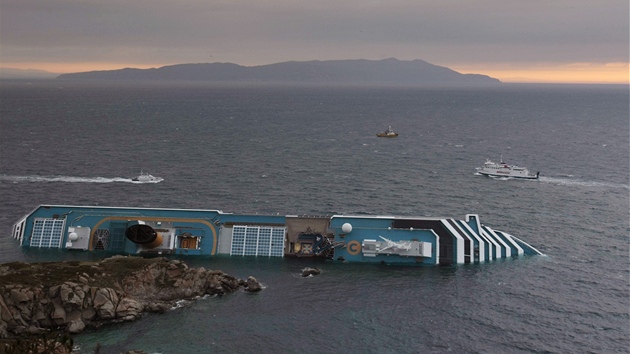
(372,239)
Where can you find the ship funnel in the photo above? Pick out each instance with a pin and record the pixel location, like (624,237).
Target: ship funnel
(142,234)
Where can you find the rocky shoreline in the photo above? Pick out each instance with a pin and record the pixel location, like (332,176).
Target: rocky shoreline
(37,298)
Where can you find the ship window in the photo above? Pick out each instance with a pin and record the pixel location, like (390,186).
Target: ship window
(47,233)
(257,241)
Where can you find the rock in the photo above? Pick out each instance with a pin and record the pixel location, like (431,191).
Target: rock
(129,309)
(5,312)
(39,317)
(76,326)
(74,316)
(20,297)
(158,307)
(71,296)
(104,303)
(40,343)
(34,299)
(252,285)
(232,283)
(3,330)
(310,271)
(88,313)
(53,291)
(174,273)
(58,316)
(36,330)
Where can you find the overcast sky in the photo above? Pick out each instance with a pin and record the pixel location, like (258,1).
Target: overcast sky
(484,36)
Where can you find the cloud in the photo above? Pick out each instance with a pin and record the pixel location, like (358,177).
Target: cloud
(258,32)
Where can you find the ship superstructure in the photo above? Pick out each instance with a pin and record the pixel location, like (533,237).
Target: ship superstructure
(502,169)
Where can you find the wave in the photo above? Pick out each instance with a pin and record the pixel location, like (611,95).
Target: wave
(69,179)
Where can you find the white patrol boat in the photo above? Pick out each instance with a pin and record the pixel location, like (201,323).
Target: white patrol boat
(502,169)
(147,178)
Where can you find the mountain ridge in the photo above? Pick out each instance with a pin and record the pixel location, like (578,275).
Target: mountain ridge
(12,73)
(328,71)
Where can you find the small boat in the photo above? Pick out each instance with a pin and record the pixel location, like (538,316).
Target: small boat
(147,178)
(389,133)
(502,169)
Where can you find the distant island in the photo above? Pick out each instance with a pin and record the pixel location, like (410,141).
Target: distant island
(387,71)
(9,73)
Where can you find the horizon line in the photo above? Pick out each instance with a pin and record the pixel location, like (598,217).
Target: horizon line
(577,73)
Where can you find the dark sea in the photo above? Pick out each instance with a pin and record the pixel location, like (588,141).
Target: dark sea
(307,149)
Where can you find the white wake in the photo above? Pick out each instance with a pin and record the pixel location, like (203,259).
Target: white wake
(70,179)
(564,181)
(582,183)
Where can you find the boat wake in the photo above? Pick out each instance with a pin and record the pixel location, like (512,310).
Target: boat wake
(580,183)
(564,181)
(71,179)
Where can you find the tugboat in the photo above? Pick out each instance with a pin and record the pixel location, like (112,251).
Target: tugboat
(147,178)
(389,133)
(502,169)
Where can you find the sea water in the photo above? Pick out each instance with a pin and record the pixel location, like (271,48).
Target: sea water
(311,149)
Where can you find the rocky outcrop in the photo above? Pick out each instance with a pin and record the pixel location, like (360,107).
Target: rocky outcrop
(306,272)
(33,300)
(252,285)
(52,343)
